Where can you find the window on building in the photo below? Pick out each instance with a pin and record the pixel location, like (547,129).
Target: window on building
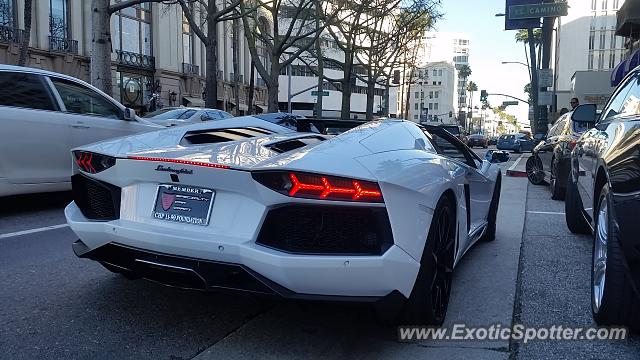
(417,94)
(616,4)
(600,60)
(603,37)
(435,72)
(439,82)
(416,107)
(430,106)
(7,13)
(440,72)
(132,29)
(591,60)
(415,117)
(604,4)
(436,94)
(58,19)
(430,94)
(187,41)
(434,83)
(421,94)
(593,5)
(435,106)
(592,39)
(612,59)
(613,41)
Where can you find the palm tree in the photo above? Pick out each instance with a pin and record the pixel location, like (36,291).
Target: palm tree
(471,88)
(523,37)
(463,72)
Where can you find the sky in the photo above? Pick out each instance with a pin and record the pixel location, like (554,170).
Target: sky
(490,45)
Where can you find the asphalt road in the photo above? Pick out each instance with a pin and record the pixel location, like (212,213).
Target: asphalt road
(55,306)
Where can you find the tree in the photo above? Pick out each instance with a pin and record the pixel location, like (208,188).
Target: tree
(24,45)
(463,72)
(100,64)
(471,88)
(273,49)
(523,37)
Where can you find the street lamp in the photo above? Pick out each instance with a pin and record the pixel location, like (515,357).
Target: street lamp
(500,14)
(521,63)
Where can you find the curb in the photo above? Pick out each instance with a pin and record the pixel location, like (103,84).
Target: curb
(512,172)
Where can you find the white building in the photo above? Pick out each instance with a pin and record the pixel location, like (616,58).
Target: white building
(450,47)
(586,41)
(431,96)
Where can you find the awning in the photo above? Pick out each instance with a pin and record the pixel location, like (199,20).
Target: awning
(243,107)
(632,61)
(628,24)
(618,73)
(191,101)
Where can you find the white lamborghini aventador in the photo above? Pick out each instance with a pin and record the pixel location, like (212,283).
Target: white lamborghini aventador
(382,212)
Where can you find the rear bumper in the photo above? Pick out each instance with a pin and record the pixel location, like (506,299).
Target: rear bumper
(161,254)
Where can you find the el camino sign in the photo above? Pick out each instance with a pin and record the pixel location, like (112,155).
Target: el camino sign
(537,10)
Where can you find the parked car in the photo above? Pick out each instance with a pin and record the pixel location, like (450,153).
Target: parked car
(43,115)
(455,130)
(176,116)
(603,198)
(270,196)
(493,140)
(551,158)
(517,142)
(477,140)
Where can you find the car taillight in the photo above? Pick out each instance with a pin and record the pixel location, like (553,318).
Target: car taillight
(91,162)
(323,187)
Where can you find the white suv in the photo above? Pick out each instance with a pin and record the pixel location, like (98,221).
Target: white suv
(43,115)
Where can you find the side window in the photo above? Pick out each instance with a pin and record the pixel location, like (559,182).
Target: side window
(447,145)
(631,104)
(187,114)
(79,99)
(619,98)
(25,91)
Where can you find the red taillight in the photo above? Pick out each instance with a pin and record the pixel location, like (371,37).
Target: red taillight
(179,161)
(323,187)
(91,162)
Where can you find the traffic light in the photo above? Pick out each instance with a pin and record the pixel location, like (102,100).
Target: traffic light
(483,95)
(450,113)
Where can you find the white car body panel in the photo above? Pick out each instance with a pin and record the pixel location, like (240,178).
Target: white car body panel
(35,144)
(412,178)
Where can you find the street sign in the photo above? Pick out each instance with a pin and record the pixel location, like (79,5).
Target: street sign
(545,77)
(515,24)
(545,98)
(315,93)
(537,11)
(507,103)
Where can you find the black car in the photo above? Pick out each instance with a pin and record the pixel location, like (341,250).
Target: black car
(551,157)
(603,198)
(477,140)
(455,130)
(493,140)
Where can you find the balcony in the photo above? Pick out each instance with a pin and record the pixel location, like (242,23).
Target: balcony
(135,60)
(190,69)
(10,35)
(62,45)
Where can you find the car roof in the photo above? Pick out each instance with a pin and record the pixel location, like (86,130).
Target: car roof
(31,70)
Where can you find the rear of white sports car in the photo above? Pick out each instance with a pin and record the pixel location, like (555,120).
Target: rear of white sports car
(265,214)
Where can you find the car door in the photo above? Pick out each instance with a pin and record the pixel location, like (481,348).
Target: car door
(35,138)
(92,116)
(477,188)
(595,141)
(547,146)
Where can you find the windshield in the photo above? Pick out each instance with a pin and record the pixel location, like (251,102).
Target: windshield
(164,114)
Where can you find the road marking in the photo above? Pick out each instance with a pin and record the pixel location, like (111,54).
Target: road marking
(546,212)
(32,231)
(516,162)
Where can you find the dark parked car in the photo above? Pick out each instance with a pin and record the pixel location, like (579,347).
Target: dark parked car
(457,131)
(493,140)
(518,142)
(477,140)
(603,198)
(551,157)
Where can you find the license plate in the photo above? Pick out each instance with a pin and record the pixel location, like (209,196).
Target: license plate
(183,204)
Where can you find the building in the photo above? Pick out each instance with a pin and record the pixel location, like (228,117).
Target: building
(155,53)
(449,47)
(586,41)
(431,96)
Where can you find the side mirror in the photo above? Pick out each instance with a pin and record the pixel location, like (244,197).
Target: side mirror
(129,114)
(497,156)
(584,113)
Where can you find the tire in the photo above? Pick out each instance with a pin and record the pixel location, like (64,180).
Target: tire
(557,192)
(576,222)
(613,301)
(490,233)
(535,170)
(429,299)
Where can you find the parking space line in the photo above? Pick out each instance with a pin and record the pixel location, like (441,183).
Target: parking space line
(32,231)
(546,212)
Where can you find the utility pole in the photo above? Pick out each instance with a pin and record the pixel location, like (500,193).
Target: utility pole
(547,32)
(534,78)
